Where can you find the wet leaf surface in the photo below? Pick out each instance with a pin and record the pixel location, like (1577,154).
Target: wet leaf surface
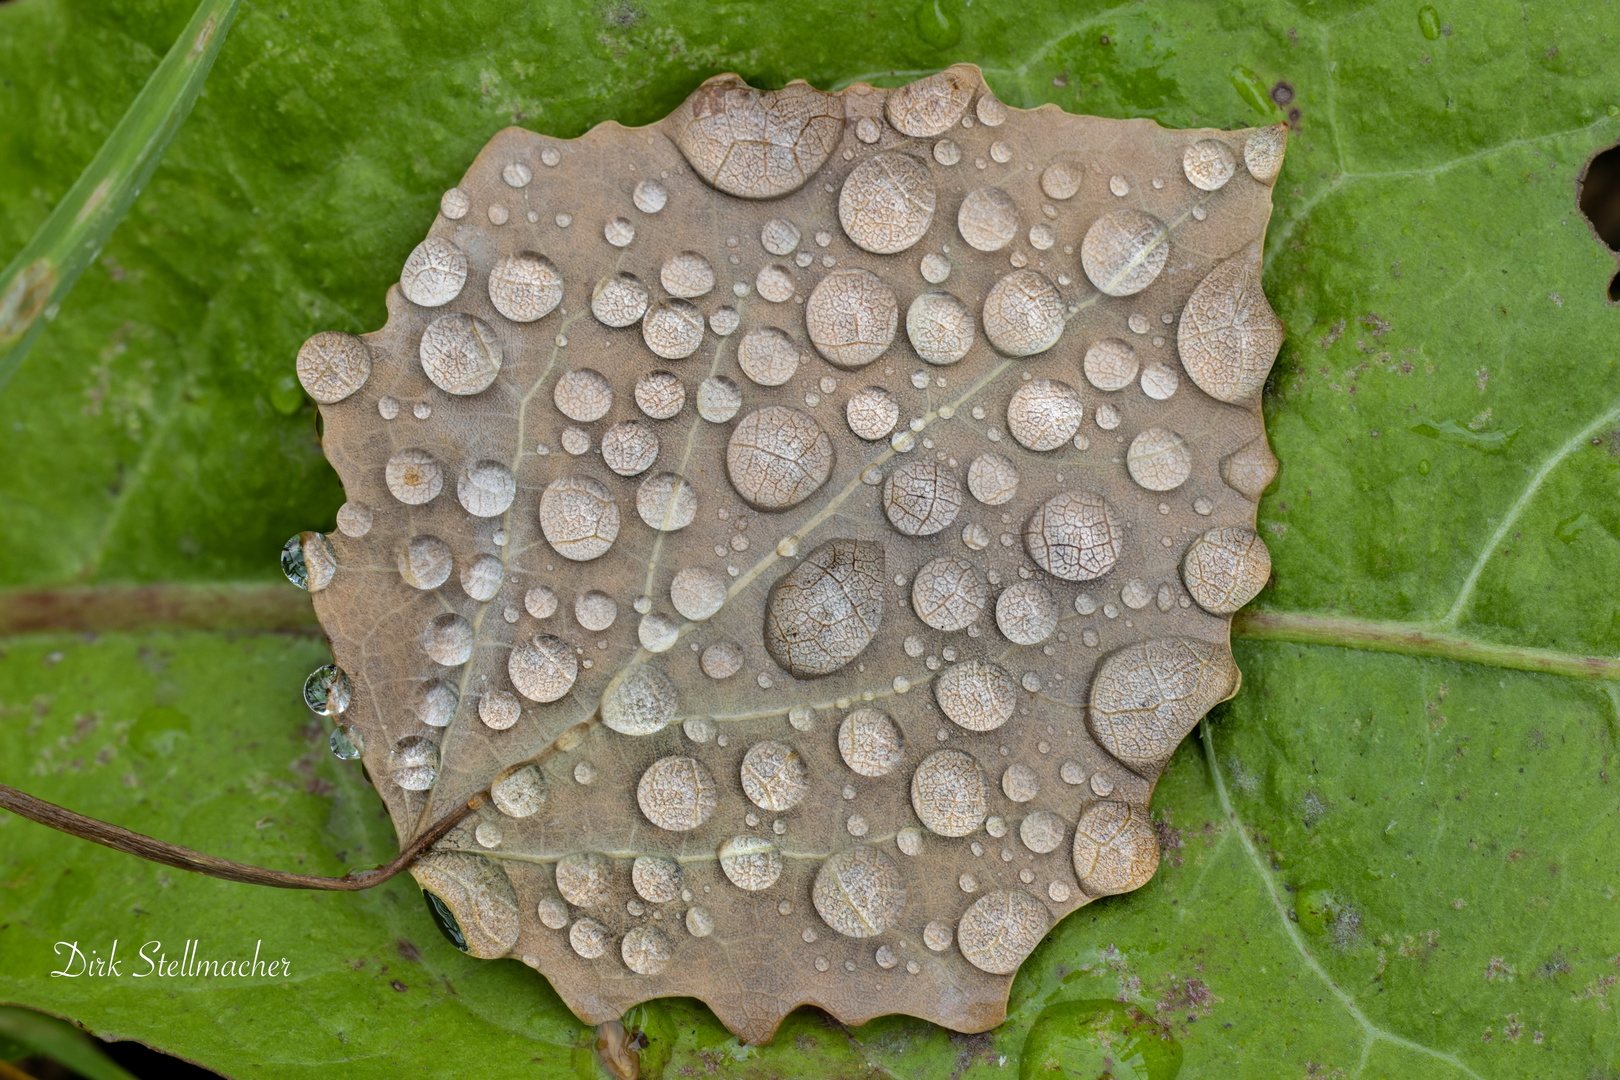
(1426,255)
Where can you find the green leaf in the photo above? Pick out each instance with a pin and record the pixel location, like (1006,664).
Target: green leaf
(33,286)
(1391,855)
(31,1033)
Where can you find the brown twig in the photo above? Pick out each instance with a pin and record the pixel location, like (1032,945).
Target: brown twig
(121,839)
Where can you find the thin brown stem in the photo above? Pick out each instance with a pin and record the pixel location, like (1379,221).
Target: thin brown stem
(158,851)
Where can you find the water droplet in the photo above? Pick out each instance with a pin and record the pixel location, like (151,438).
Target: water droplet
(498,214)
(699,923)
(1044,414)
(657,633)
(1124,251)
(722,129)
(779,236)
(543,669)
(460,354)
(1251,89)
(650,196)
(718,399)
(486,489)
(354,519)
(595,610)
(987,219)
(454,204)
(928,106)
(1159,381)
(387,408)
(584,773)
(750,863)
(579,517)
(938,25)
(519,791)
(489,834)
(887,202)
(1023,314)
(414,763)
(949,793)
(346,743)
(434,273)
(328,691)
(588,938)
(553,913)
(1208,164)
(331,366)
(1026,613)
(722,660)
(619,232)
(778,457)
(1225,569)
(1107,416)
(1110,364)
(620,300)
(1159,460)
(666,502)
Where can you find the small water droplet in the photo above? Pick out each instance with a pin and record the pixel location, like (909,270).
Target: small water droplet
(346,743)
(650,196)
(619,232)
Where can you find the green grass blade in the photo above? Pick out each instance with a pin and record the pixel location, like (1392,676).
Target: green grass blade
(60,1041)
(34,284)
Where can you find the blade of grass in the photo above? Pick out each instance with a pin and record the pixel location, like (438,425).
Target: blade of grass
(60,1041)
(34,284)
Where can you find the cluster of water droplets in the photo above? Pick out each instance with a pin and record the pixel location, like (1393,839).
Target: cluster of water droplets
(939,416)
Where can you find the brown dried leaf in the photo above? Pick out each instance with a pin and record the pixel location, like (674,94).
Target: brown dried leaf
(811,653)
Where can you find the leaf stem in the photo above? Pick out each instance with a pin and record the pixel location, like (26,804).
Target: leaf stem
(1416,639)
(181,858)
(37,280)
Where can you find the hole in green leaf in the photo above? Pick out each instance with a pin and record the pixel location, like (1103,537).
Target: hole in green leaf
(1600,201)
(445,919)
(1600,195)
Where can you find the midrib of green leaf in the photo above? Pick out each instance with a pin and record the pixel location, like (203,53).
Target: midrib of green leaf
(36,281)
